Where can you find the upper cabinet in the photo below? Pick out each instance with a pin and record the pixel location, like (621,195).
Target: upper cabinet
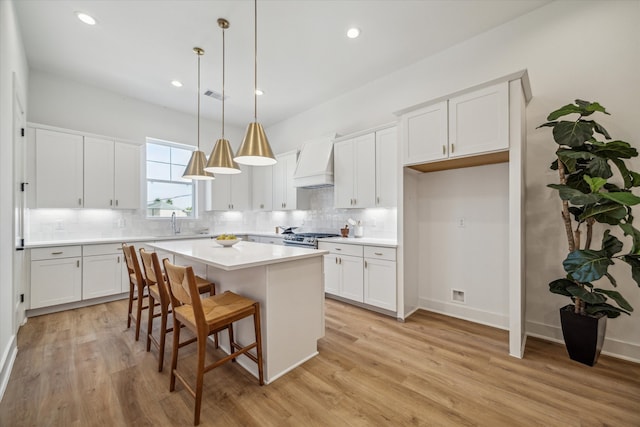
(286,196)
(470,124)
(71,170)
(229,192)
(58,169)
(262,188)
(365,170)
(111,174)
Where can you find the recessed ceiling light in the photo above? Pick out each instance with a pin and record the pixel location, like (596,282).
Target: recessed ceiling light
(87,19)
(353,33)
(259,92)
(176,83)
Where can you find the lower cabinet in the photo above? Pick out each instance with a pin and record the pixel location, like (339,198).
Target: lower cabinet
(103,271)
(364,274)
(56,276)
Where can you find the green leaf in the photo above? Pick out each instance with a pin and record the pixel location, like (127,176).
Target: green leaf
(623,197)
(612,279)
(588,297)
(610,244)
(559,287)
(572,134)
(598,166)
(575,196)
(594,106)
(630,230)
(604,213)
(617,297)
(569,157)
(547,125)
(634,263)
(563,111)
(586,265)
(614,149)
(595,183)
(626,174)
(609,310)
(576,212)
(636,179)
(602,131)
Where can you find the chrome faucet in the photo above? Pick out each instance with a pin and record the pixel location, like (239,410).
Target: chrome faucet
(174,224)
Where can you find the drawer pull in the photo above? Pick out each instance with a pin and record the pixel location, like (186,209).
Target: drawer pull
(337,249)
(377,253)
(57,253)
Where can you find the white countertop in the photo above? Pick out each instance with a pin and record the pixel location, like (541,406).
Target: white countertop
(241,255)
(369,241)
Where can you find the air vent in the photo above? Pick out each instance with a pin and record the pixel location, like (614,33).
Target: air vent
(215,95)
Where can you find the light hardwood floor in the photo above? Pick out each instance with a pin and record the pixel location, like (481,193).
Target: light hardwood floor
(83,368)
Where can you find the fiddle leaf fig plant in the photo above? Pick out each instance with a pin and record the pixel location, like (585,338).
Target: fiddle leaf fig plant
(595,186)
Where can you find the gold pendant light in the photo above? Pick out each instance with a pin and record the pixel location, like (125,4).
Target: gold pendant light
(255,149)
(221,158)
(195,168)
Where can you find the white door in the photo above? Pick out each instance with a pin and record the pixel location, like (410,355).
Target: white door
(387,168)
(55,281)
(98,173)
(425,134)
(101,276)
(380,283)
(352,277)
(59,169)
(291,192)
(343,173)
(332,274)
(127,178)
(19,204)
(262,188)
(479,121)
(279,192)
(240,195)
(220,193)
(365,171)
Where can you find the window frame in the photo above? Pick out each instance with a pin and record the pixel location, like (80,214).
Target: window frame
(193,183)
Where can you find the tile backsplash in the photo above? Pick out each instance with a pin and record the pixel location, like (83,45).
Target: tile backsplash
(69,224)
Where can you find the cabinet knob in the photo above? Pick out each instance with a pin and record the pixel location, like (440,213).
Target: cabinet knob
(261,206)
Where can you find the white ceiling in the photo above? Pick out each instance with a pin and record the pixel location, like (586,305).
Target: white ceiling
(304,57)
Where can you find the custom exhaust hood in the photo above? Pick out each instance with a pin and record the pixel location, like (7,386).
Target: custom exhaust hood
(315,163)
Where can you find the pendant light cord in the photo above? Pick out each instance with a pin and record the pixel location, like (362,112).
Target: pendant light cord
(223,67)
(198,139)
(255,60)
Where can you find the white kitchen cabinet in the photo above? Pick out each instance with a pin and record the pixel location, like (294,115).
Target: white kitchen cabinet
(102,271)
(425,134)
(354,172)
(58,169)
(262,188)
(229,192)
(272,240)
(286,196)
(380,283)
(473,123)
(479,121)
(343,270)
(56,276)
(111,174)
(387,167)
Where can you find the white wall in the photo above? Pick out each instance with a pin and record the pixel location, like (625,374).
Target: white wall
(13,63)
(572,49)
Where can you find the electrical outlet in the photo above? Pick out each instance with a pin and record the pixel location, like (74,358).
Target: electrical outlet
(457,295)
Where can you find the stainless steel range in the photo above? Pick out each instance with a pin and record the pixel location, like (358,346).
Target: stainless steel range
(306,239)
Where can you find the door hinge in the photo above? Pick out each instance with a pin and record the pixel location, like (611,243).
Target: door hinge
(21,297)
(23,186)
(22,132)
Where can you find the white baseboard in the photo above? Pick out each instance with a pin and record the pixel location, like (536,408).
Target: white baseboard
(8,358)
(471,314)
(620,349)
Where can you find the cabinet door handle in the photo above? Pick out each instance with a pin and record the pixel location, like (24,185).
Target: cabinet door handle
(261,206)
(79,201)
(78,263)
(378,199)
(336,260)
(57,253)
(116,202)
(118,259)
(444,150)
(365,264)
(337,249)
(111,202)
(340,261)
(453,148)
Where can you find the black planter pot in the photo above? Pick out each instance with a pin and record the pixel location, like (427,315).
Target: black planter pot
(583,335)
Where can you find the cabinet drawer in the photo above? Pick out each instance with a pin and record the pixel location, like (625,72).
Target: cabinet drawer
(380,252)
(56,252)
(102,249)
(341,248)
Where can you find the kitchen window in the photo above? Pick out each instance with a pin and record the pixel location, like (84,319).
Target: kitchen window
(167,191)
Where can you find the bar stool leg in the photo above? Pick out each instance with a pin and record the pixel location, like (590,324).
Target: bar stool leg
(163,336)
(256,326)
(152,303)
(202,347)
(174,354)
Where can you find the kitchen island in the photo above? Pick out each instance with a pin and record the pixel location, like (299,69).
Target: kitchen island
(286,281)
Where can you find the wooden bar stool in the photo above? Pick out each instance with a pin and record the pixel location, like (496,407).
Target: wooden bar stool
(158,292)
(137,286)
(204,317)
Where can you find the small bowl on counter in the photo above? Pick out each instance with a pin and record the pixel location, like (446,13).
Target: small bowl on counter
(226,242)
